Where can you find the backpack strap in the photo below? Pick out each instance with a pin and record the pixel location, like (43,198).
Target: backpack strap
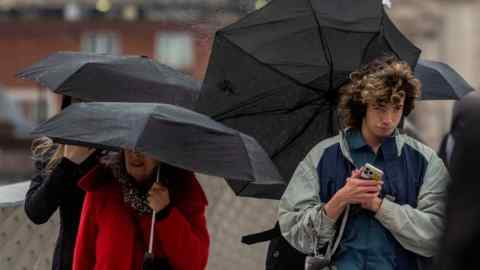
(331,249)
(268,235)
(262,236)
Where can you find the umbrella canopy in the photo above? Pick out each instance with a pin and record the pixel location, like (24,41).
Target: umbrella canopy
(274,74)
(317,42)
(440,81)
(171,134)
(103,77)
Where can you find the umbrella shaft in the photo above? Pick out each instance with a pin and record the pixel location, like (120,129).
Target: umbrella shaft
(152,224)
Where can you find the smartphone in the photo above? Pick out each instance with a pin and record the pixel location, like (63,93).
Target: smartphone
(368,171)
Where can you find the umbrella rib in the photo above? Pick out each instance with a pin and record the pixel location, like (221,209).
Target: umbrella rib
(281,37)
(142,126)
(267,66)
(282,20)
(245,27)
(244,187)
(249,101)
(293,138)
(35,74)
(326,50)
(251,15)
(382,25)
(280,110)
(249,157)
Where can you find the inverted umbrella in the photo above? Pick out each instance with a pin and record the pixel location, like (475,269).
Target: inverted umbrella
(171,134)
(317,42)
(274,74)
(104,77)
(440,81)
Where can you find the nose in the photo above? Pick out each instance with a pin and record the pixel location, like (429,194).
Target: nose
(388,117)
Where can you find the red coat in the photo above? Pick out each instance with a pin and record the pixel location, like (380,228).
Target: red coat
(108,236)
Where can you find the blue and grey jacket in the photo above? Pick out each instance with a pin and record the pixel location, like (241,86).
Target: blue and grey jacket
(406,228)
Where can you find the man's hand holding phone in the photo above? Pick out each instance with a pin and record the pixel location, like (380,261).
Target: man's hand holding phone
(368,171)
(371,172)
(357,190)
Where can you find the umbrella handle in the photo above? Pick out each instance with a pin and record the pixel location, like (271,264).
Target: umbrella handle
(152,224)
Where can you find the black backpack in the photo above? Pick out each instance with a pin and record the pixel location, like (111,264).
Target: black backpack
(280,255)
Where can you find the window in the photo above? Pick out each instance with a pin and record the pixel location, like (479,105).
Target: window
(34,105)
(101,42)
(174,49)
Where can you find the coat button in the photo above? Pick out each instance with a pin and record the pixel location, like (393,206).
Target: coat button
(276,254)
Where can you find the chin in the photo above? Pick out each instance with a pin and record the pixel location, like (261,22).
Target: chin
(138,178)
(136,173)
(384,132)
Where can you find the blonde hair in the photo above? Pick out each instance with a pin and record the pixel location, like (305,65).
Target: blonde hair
(47,153)
(384,81)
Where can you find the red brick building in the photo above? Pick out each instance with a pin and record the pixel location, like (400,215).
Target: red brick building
(178,34)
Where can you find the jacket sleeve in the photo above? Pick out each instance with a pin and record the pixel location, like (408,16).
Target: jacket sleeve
(44,194)
(84,252)
(420,229)
(300,215)
(183,234)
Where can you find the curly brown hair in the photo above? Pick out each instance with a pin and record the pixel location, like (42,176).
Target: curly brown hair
(385,80)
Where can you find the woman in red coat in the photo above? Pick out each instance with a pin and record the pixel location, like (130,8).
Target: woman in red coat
(116,216)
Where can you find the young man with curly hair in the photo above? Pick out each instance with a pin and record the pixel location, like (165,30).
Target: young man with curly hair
(395,223)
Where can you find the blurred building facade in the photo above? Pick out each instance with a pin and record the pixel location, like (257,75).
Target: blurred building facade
(180,34)
(446,31)
(15,162)
(177,33)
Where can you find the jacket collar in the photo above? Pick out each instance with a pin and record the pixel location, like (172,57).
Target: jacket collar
(391,147)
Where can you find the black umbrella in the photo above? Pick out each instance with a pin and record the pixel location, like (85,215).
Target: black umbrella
(440,81)
(103,77)
(171,134)
(274,74)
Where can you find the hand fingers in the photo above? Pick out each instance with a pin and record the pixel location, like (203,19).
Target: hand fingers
(364,182)
(356,174)
(365,197)
(157,188)
(368,189)
(151,204)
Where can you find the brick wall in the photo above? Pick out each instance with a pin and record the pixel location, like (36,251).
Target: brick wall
(25,42)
